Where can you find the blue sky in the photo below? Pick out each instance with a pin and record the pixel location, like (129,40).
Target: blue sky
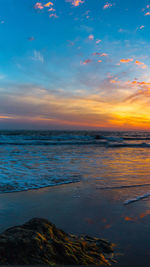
(70,64)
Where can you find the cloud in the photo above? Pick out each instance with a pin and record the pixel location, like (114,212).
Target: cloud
(113,81)
(104,55)
(41,106)
(75,2)
(86,28)
(100,54)
(49,4)
(98,41)
(53,15)
(140,64)
(91,37)
(141,83)
(147,7)
(140,28)
(38,5)
(108,5)
(126,60)
(147,14)
(31,38)
(87,61)
(51,9)
(142,90)
(96,54)
(33,105)
(38,56)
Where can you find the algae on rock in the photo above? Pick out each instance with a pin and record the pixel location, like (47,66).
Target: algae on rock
(40,242)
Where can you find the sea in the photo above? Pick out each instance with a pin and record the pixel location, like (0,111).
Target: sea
(107,160)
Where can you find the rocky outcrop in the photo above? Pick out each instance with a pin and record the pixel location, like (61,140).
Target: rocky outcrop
(40,242)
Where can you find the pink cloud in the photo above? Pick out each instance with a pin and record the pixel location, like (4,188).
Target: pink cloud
(53,15)
(51,9)
(98,41)
(38,6)
(108,5)
(75,2)
(87,61)
(104,55)
(147,14)
(91,37)
(96,54)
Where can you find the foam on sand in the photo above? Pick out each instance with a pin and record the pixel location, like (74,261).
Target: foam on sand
(136,199)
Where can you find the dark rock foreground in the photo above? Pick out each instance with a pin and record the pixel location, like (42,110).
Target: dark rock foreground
(40,242)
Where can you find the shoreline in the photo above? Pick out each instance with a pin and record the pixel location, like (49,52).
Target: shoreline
(79,208)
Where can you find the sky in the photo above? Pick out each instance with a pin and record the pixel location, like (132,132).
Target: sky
(75,64)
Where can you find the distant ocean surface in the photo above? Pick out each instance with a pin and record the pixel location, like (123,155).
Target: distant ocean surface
(37,159)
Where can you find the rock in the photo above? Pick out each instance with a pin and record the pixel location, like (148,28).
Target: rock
(40,242)
(97,137)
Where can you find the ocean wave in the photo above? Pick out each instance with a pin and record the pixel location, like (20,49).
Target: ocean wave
(122,187)
(105,143)
(127,202)
(52,143)
(143,145)
(108,139)
(16,187)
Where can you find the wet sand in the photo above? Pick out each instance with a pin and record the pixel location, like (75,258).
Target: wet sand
(81,208)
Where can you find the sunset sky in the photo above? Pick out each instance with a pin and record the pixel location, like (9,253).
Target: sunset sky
(75,64)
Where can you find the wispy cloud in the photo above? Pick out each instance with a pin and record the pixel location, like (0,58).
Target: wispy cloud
(53,15)
(96,54)
(87,61)
(38,56)
(100,54)
(140,64)
(51,9)
(31,38)
(98,41)
(107,5)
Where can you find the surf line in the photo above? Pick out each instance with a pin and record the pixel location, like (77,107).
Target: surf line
(127,202)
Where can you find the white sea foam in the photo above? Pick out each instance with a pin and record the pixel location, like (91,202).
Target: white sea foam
(122,187)
(142,145)
(136,199)
(35,159)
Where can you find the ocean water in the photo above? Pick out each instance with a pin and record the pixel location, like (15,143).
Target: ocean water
(107,160)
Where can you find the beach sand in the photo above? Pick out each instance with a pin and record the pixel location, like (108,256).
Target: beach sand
(81,208)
